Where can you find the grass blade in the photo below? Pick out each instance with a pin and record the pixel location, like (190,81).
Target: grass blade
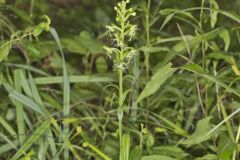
(7,126)
(74,79)
(199,70)
(66,91)
(19,108)
(31,140)
(7,147)
(28,102)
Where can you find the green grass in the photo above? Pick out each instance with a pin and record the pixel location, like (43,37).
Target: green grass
(165,88)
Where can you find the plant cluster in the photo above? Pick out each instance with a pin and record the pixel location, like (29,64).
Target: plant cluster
(123,32)
(160,83)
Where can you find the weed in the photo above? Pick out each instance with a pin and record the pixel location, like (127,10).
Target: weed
(174,65)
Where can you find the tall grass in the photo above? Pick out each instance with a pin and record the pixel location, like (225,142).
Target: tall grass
(159,82)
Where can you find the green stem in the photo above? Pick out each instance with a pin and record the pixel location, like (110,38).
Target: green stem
(228,124)
(223,110)
(120,104)
(236,141)
(147,22)
(147,56)
(120,83)
(31,8)
(147,17)
(201,14)
(15,40)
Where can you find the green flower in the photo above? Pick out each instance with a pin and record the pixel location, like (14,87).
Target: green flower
(121,32)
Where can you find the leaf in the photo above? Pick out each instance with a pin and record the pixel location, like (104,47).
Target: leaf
(173,151)
(167,19)
(66,90)
(226,38)
(222,122)
(125,93)
(214,13)
(28,156)
(125,147)
(28,102)
(7,126)
(6,147)
(170,39)
(19,107)
(194,67)
(32,139)
(73,46)
(230,15)
(154,49)
(4,50)
(199,70)
(136,153)
(172,12)
(99,152)
(157,157)
(225,147)
(4,137)
(36,95)
(203,127)
(25,84)
(193,41)
(156,81)
(52,144)
(207,157)
(74,79)
(83,44)
(27,67)
(219,55)
(34,50)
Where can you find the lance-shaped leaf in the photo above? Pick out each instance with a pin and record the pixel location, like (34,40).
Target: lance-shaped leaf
(203,127)
(156,81)
(4,51)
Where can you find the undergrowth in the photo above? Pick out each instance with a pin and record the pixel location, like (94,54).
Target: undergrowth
(144,80)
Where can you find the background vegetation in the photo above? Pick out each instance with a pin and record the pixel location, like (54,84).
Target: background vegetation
(174,95)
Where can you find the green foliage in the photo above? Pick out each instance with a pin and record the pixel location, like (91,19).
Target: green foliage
(202,128)
(156,81)
(156,157)
(32,139)
(136,153)
(225,147)
(164,86)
